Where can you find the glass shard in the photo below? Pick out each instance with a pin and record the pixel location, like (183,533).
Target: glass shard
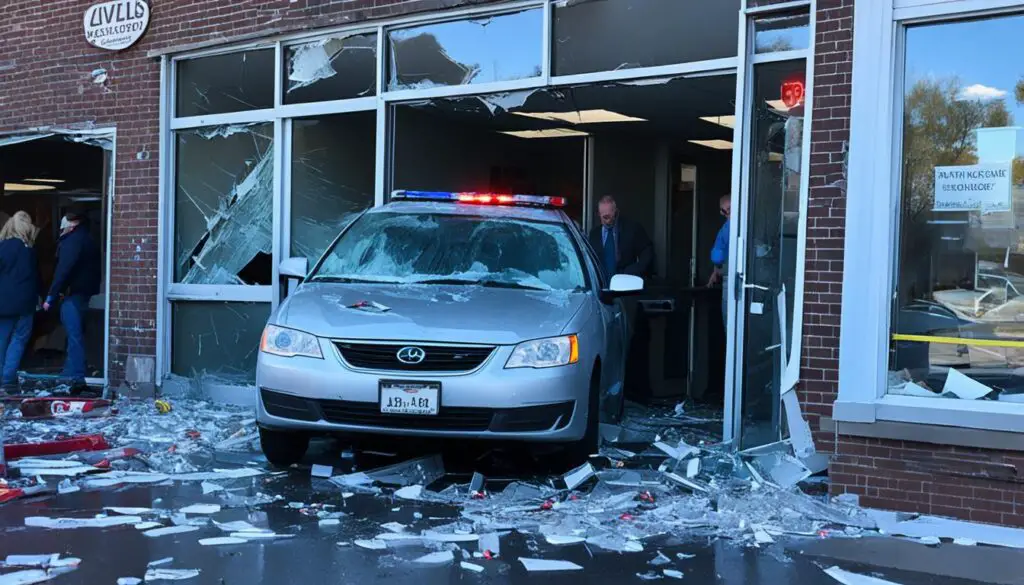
(223,216)
(496,48)
(331,69)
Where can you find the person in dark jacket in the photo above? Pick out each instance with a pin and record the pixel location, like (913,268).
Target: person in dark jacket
(77,278)
(19,281)
(622,245)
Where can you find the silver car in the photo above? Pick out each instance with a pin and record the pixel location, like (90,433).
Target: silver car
(447,315)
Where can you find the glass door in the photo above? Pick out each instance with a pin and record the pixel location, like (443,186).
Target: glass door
(767,227)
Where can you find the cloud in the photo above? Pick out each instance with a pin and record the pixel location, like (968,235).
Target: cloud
(981,92)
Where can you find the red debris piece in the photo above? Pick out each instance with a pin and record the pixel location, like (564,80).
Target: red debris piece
(646,496)
(626,516)
(111,455)
(8,494)
(172,449)
(61,407)
(102,464)
(193,434)
(479,495)
(547,505)
(488,555)
(60,447)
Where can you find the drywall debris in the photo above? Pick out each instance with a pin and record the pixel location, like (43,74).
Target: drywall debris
(545,565)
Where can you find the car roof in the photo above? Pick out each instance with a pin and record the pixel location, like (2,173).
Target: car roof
(473,209)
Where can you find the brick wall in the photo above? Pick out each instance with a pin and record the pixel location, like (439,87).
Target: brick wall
(46,67)
(826,211)
(972,484)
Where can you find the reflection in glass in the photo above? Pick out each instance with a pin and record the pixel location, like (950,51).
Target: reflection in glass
(217,339)
(480,50)
(223,205)
(234,82)
(790,32)
(594,35)
(333,163)
(770,272)
(958,313)
(331,69)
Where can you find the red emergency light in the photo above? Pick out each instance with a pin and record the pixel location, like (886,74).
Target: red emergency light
(481,198)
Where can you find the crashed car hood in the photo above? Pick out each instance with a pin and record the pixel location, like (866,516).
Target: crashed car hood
(467,314)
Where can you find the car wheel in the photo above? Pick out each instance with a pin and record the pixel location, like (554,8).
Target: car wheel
(576,454)
(282,448)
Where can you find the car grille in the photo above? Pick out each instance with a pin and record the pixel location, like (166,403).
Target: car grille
(367,414)
(439,358)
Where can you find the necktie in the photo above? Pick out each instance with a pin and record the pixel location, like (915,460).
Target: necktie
(610,264)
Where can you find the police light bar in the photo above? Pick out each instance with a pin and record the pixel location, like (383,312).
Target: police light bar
(480,198)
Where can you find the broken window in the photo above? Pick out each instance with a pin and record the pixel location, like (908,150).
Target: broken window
(333,170)
(480,50)
(219,339)
(223,207)
(331,69)
(594,35)
(790,32)
(235,82)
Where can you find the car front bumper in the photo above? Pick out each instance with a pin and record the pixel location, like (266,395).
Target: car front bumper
(328,396)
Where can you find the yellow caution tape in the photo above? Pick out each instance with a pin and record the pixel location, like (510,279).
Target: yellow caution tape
(958,340)
(162,406)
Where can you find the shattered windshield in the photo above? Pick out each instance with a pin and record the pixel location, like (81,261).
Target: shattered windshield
(429,248)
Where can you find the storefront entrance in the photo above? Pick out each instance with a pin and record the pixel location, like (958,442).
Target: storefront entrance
(267,158)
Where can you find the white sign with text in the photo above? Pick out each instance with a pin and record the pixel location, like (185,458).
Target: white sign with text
(117,24)
(983,187)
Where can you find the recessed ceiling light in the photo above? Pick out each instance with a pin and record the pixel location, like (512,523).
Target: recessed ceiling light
(581,117)
(716,144)
(25,187)
(45,180)
(549,133)
(727,121)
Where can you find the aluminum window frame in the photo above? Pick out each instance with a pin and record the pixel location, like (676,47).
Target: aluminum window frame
(872,226)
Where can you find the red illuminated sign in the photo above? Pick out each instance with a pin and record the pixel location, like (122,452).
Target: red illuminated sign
(792,93)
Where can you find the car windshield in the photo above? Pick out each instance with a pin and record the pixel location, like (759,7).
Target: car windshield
(434,248)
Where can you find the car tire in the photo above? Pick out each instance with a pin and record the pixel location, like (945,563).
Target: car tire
(577,453)
(282,448)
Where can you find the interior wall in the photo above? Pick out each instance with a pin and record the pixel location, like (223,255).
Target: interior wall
(626,169)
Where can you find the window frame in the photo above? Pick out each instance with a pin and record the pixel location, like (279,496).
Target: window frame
(872,225)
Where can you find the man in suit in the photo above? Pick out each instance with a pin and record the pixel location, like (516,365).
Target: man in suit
(622,245)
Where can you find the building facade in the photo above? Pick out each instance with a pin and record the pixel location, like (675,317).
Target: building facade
(229,138)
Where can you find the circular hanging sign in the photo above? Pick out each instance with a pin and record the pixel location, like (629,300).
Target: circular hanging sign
(117,24)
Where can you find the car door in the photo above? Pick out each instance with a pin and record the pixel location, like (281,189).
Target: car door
(616,336)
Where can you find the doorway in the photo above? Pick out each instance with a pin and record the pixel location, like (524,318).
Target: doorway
(48,175)
(662,148)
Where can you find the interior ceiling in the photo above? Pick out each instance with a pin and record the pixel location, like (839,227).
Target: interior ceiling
(79,165)
(672,107)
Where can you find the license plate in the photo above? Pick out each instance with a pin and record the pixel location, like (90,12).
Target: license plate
(418,398)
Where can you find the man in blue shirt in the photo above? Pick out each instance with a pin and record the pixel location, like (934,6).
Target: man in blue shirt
(720,254)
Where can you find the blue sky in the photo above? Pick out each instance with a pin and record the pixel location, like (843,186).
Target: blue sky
(985,54)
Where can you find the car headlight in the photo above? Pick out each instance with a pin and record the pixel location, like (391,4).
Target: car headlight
(289,342)
(545,353)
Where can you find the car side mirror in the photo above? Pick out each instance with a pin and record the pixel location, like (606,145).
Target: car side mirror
(291,272)
(622,285)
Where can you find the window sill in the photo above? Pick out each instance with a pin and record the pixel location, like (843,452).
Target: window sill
(971,414)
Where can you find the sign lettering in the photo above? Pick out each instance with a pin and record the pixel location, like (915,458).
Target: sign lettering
(117,24)
(983,187)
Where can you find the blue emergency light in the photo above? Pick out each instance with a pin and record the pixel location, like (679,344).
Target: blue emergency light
(480,198)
